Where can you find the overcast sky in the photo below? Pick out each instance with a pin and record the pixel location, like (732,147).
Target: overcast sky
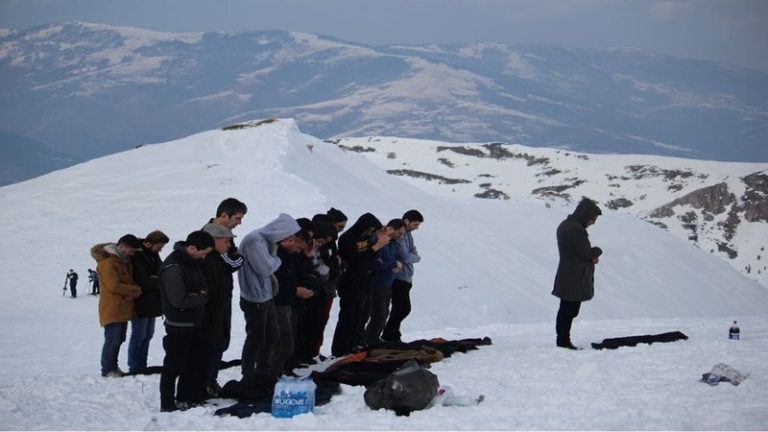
(732,31)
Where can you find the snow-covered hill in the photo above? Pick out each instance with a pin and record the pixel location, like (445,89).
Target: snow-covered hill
(721,207)
(103,89)
(487,269)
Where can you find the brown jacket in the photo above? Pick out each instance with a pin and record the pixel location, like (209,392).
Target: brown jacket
(116,284)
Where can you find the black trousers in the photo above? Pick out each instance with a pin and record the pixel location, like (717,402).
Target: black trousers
(401,308)
(379,306)
(351,302)
(309,329)
(185,360)
(565,315)
(286,340)
(261,336)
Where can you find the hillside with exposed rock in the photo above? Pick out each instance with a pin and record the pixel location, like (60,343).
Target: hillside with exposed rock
(721,207)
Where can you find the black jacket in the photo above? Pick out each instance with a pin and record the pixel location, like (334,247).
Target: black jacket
(182,289)
(146,265)
(287,278)
(575,278)
(357,255)
(218,278)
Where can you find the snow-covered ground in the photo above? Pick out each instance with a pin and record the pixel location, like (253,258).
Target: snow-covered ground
(487,270)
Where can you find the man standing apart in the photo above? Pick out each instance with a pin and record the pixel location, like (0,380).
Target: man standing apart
(113,267)
(575,278)
(257,290)
(146,264)
(184,293)
(401,287)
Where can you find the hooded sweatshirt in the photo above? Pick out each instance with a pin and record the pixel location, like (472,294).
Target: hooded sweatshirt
(259,251)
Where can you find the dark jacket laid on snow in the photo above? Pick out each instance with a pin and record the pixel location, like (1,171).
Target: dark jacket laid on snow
(575,279)
(183,289)
(146,265)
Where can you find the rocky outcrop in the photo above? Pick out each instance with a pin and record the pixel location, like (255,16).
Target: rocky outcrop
(712,199)
(755,200)
(619,203)
(426,176)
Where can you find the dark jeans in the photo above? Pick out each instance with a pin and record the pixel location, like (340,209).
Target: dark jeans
(142,330)
(261,335)
(285,341)
(73,288)
(114,336)
(350,299)
(379,301)
(311,324)
(565,315)
(401,308)
(184,359)
(363,315)
(215,349)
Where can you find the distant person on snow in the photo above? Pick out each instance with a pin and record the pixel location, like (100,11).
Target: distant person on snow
(93,278)
(146,264)
(116,302)
(184,295)
(72,279)
(575,278)
(401,287)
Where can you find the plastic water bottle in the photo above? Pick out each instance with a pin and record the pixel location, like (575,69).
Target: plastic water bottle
(152,425)
(734,332)
(293,396)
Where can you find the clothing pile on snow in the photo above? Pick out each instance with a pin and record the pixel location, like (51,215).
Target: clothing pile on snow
(410,388)
(368,367)
(721,372)
(614,343)
(254,393)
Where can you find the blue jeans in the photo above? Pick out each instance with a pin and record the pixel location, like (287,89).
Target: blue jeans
(142,330)
(114,336)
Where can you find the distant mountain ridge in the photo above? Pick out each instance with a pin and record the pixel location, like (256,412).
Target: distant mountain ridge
(91,89)
(721,207)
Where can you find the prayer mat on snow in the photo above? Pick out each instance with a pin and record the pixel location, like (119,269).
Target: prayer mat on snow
(614,343)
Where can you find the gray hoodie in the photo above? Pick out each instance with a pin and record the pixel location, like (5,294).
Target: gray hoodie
(259,251)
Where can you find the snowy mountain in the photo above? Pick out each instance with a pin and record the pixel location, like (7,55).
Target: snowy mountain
(487,270)
(721,207)
(101,89)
